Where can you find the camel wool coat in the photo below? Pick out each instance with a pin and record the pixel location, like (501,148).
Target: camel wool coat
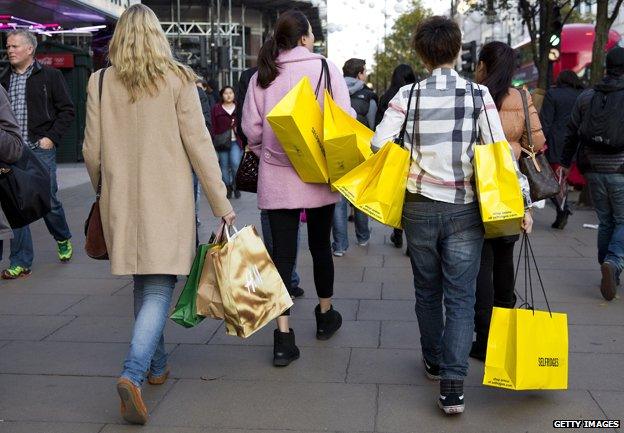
(145,152)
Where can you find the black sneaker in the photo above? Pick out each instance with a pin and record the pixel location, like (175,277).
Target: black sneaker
(608,285)
(432,371)
(451,399)
(397,238)
(562,220)
(295,292)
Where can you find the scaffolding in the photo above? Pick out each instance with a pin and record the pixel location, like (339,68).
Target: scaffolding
(214,47)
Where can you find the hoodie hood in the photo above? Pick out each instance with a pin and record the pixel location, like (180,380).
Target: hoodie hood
(354,84)
(610,84)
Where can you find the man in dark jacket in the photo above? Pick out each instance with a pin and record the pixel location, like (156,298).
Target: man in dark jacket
(44,112)
(10,151)
(605,173)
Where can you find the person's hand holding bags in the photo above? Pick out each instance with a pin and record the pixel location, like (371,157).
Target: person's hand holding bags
(229,218)
(527,222)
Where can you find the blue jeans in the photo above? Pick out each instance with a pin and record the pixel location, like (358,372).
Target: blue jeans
(22,252)
(444,242)
(607,192)
(340,226)
(229,161)
(268,242)
(152,299)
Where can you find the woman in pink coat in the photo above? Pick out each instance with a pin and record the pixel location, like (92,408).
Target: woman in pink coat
(283,61)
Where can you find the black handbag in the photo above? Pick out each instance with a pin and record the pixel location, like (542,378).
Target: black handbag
(535,167)
(25,189)
(247,174)
(223,142)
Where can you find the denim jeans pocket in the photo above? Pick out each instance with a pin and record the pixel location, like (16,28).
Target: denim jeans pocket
(467,226)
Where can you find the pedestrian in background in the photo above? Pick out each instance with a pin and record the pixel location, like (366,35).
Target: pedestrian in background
(555,115)
(364,102)
(596,129)
(441,215)
(228,145)
(401,76)
(142,142)
(283,61)
(495,282)
(44,110)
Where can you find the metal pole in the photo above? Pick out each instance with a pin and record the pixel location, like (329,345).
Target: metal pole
(211,44)
(231,60)
(244,63)
(218,47)
(179,21)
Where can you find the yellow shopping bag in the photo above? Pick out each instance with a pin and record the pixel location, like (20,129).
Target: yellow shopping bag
(297,122)
(346,141)
(252,291)
(377,186)
(527,348)
(498,190)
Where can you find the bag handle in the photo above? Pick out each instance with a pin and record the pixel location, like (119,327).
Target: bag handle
(529,255)
(400,140)
(98,192)
(486,115)
(527,126)
(324,73)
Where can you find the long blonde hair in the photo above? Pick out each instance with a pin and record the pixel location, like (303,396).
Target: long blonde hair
(141,54)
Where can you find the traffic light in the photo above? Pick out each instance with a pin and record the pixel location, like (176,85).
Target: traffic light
(469,57)
(555,38)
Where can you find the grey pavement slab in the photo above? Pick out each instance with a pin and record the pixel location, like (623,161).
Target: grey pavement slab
(49,427)
(398,290)
(351,334)
(611,402)
(109,329)
(347,291)
(66,399)
(399,335)
(304,308)
(36,305)
(37,284)
(252,362)
(414,409)
(596,339)
(343,273)
(584,367)
(103,305)
(387,310)
(598,312)
(388,276)
(64,358)
(30,327)
(268,405)
(347,261)
(170,429)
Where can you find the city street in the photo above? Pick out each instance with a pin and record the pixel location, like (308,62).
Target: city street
(64,332)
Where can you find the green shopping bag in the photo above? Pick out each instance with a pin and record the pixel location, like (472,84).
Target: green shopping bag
(185,311)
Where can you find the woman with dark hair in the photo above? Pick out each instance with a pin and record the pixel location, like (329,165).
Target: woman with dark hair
(227,144)
(495,283)
(283,61)
(555,115)
(401,76)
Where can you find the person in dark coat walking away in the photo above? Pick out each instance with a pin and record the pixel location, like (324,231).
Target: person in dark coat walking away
(44,111)
(596,130)
(555,116)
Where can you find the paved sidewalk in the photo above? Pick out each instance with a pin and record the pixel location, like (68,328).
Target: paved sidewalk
(65,330)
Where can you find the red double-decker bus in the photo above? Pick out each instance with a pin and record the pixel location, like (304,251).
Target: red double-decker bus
(577,41)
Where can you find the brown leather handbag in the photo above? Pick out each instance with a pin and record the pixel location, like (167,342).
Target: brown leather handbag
(536,167)
(95,245)
(247,174)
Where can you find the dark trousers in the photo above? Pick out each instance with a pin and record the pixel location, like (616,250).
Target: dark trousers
(284,230)
(495,283)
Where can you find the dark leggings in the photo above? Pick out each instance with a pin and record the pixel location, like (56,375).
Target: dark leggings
(495,283)
(284,229)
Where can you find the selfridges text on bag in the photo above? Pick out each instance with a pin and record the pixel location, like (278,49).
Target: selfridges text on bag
(527,348)
(297,122)
(377,186)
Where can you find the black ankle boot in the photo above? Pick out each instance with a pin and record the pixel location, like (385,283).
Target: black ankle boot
(327,323)
(229,192)
(284,349)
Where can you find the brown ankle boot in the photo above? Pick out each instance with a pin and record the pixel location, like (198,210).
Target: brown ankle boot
(133,409)
(158,380)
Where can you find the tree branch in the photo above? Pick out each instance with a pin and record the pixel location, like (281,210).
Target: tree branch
(616,10)
(572,8)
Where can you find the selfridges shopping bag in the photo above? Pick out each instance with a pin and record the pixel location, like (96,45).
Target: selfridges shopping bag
(377,186)
(297,122)
(498,187)
(347,141)
(527,349)
(252,290)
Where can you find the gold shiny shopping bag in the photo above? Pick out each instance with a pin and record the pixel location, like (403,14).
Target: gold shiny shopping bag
(377,186)
(498,189)
(209,303)
(297,122)
(527,348)
(347,141)
(252,290)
